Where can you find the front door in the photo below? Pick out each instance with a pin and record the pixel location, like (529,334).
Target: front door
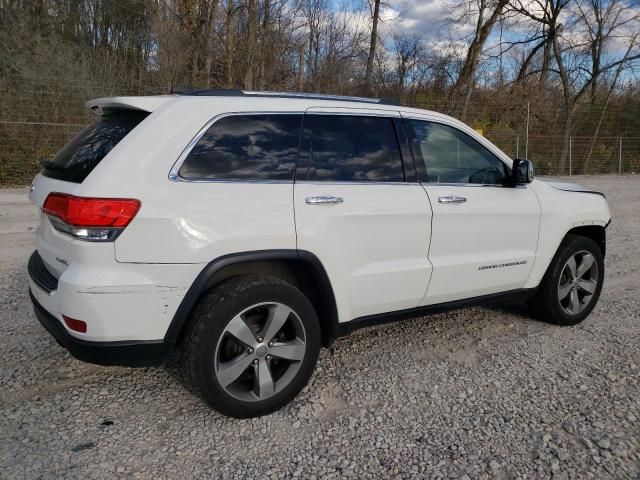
(355,211)
(484,234)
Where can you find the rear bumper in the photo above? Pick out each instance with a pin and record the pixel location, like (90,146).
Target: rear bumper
(122,353)
(119,302)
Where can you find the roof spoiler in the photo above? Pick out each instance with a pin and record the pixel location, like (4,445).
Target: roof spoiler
(100,106)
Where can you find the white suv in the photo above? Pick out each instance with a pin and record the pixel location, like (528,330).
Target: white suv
(240,231)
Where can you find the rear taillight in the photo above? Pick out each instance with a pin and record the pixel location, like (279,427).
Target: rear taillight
(93,219)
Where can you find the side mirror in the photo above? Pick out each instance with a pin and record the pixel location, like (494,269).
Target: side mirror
(522,171)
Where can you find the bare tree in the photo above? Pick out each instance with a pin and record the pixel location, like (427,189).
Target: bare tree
(487,13)
(264,41)
(172,58)
(578,59)
(577,77)
(375,18)
(230,12)
(210,37)
(251,43)
(545,22)
(602,21)
(408,50)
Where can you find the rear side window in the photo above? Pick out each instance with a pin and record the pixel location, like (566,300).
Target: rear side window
(352,149)
(246,147)
(85,151)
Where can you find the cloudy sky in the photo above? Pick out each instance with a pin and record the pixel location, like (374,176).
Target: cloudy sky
(427,18)
(420,17)
(431,20)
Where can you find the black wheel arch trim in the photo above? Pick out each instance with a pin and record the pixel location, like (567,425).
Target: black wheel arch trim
(200,285)
(332,328)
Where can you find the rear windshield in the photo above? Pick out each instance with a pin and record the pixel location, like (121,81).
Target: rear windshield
(84,152)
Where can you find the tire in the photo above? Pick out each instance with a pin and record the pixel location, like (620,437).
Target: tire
(225,340)
(564,297)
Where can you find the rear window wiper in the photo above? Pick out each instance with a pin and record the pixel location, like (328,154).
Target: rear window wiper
(51,165)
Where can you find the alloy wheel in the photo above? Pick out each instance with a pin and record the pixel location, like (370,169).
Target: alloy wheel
(578,282)
(260,351)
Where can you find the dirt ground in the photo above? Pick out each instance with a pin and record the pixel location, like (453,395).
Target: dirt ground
(475,393)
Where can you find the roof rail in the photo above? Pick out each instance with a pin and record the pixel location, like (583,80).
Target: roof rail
(236,92)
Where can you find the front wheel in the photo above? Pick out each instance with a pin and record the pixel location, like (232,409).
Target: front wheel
(252,346)
(571,287)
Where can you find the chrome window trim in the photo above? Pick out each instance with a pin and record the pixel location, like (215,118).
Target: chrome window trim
(228,180)
(174,174)
(450,184)
(363,182)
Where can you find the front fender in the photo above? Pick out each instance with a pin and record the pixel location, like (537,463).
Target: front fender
(563,210)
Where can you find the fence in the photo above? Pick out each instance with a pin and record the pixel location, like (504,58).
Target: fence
(34,126)
(583,155)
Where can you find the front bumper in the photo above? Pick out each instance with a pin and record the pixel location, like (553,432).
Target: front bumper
(124,353)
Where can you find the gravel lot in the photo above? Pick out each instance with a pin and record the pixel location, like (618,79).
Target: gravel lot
(476,393)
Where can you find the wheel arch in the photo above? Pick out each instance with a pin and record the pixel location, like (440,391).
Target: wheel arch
(597,233)
(594,232)
(552,245)
(298,267)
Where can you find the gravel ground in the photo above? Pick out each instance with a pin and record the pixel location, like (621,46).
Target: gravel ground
(476,393)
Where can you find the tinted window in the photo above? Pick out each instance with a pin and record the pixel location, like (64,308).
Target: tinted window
(452,156)
(82,154)
(246,147)
(353,149)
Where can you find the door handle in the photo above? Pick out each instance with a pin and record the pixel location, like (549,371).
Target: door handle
(325,199)
(451,199)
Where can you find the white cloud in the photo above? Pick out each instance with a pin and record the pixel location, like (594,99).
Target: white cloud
(425,18)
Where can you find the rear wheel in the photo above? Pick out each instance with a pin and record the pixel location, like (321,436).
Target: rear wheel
(252,346)
(571,287)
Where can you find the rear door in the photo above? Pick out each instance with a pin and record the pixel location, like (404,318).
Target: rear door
(485,233)
(361,211)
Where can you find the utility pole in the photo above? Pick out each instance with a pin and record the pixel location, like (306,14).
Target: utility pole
(620,158)
(570,143)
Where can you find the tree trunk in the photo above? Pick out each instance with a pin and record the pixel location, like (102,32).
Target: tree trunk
(263,45)
(603,111)
(316,60)
(194,64)
(301,50)
(483,29)
(251,40)
(229,43)
(372,46)
(569,103)
(210,39)
(546,57)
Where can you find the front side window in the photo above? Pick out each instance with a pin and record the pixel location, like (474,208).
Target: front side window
(452,156)
(352,149)
(246,147)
